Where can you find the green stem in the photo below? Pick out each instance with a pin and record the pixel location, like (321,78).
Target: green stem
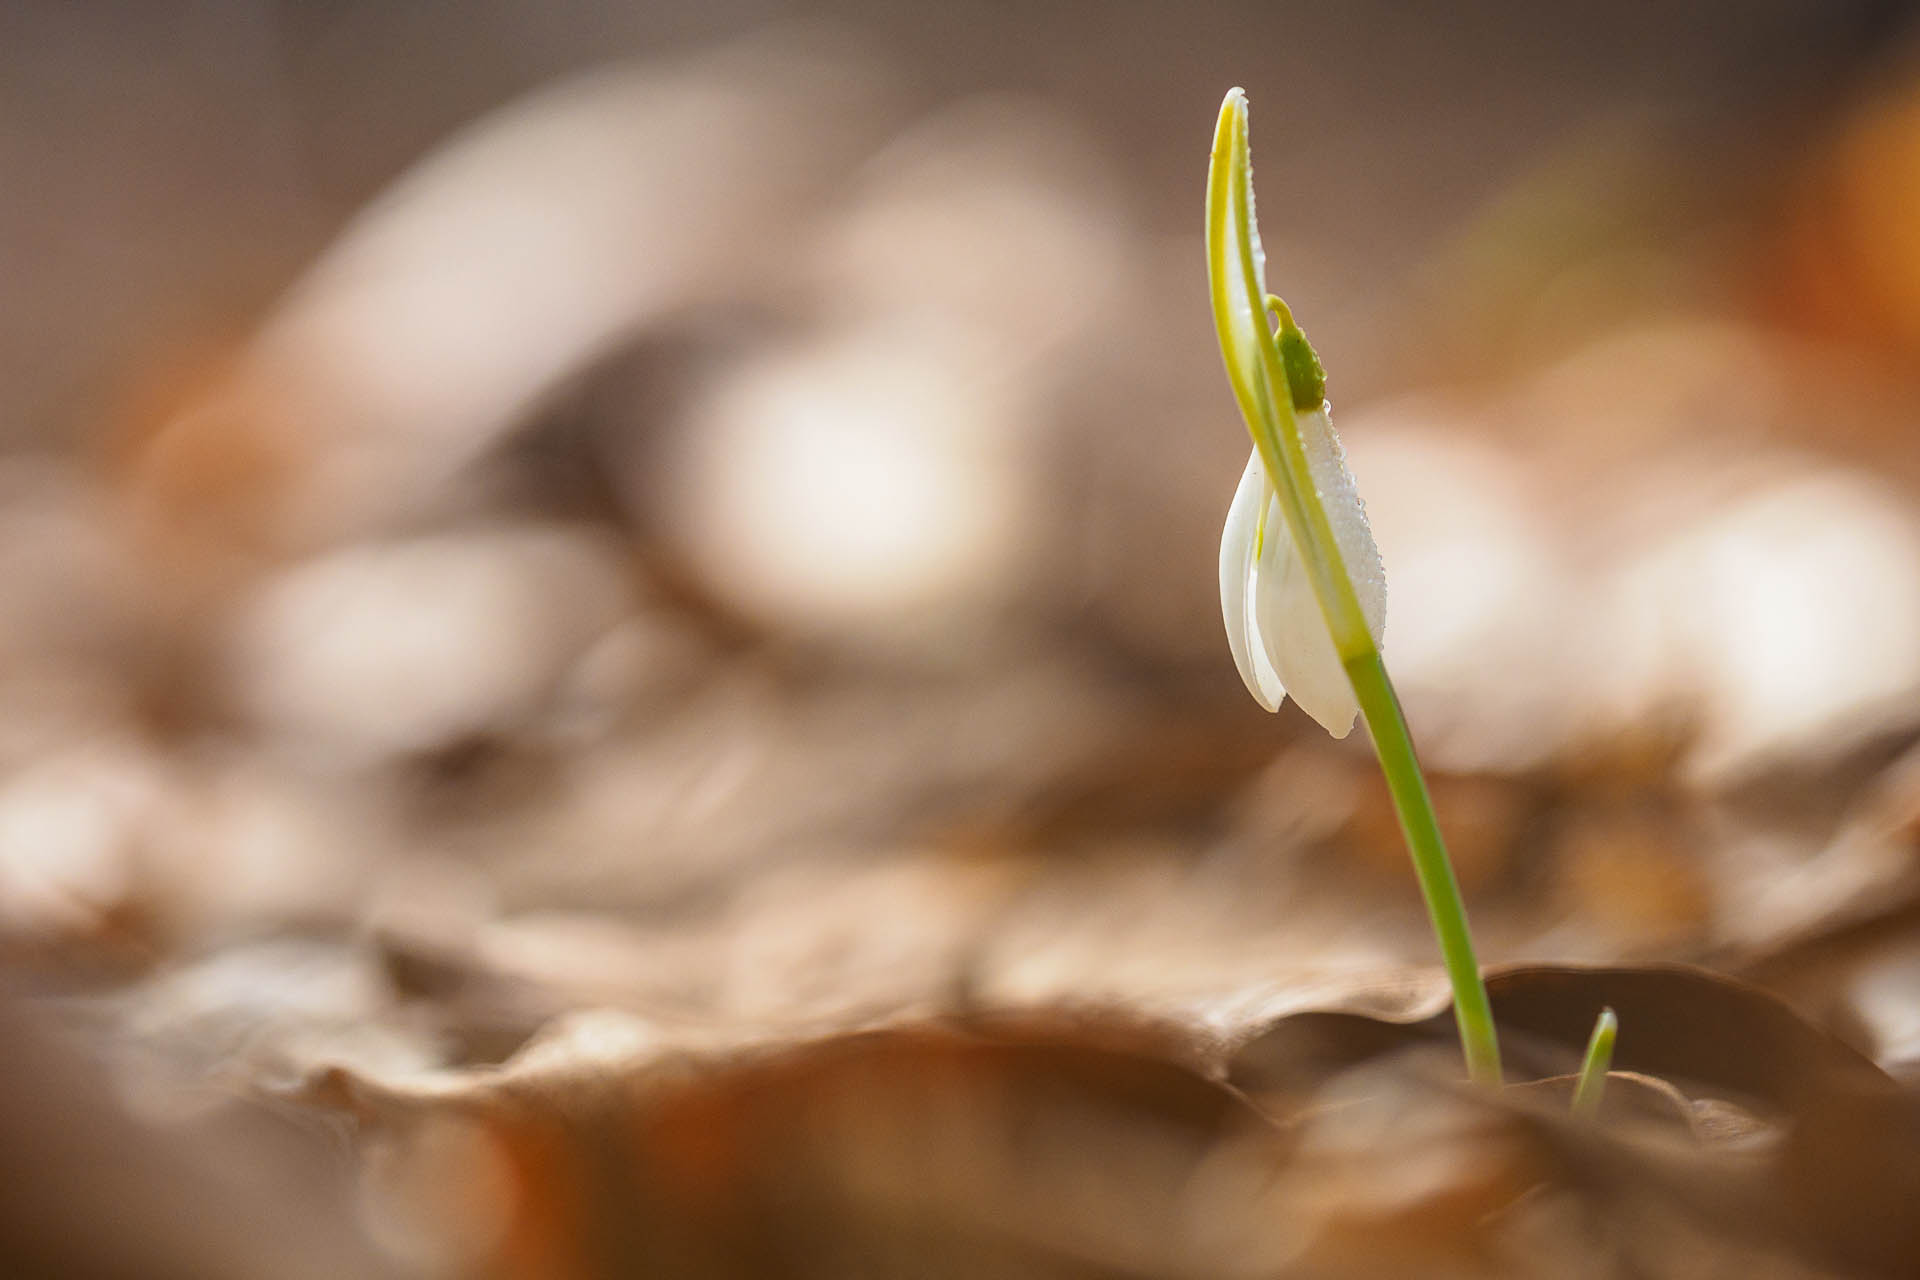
(1394,745)
(1593,1071)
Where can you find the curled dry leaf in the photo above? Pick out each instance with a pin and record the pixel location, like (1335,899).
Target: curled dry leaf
(1338,1143)
(95,1191)
(611,1147)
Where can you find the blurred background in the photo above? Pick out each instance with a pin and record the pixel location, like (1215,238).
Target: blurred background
(710,511)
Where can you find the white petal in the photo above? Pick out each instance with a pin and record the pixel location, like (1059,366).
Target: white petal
(1236,575)
(1295,632)
(1327,462)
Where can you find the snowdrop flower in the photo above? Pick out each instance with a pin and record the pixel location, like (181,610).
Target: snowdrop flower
(1301,585)
(1275,627)
(1300,580)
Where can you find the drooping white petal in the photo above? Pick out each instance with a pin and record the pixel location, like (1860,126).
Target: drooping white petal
(1286,630)
(1295,635)
(1237,572)
(1327,461)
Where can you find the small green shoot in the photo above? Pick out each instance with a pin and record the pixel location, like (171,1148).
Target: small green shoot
(1593,1070)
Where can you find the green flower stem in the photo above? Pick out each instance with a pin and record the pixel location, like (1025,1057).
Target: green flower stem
(1380,706)
(1593,1071)
(1257,371)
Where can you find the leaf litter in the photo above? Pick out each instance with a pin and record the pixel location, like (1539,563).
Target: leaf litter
(715,924)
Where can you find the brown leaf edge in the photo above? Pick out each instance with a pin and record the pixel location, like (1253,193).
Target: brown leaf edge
(1841,1183)
(1709,1034)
